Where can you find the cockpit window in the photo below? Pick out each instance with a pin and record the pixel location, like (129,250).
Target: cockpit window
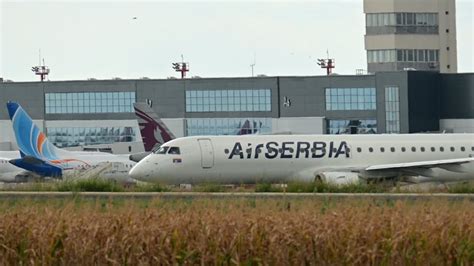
(162,150)
(174,150)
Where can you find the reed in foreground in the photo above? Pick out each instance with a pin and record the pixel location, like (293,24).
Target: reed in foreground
(237,232)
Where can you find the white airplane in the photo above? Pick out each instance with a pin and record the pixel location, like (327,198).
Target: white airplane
(40,156)
(10,173)
(336,159)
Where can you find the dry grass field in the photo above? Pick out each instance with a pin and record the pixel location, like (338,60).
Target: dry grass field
(243,231)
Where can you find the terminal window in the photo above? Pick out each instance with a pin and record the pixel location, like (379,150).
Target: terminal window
(227,126)
(402,55)
(401,19)
(353,126)
(82,136)
(228,100)
(350,99)
(392,110)
(89,102)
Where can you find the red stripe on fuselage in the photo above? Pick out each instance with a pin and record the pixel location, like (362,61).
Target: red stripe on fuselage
(67,161)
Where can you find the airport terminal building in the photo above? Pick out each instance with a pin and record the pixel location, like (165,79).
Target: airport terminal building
(82,113)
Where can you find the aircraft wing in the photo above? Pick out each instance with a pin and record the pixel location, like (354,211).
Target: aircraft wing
(395,170)
(445,164)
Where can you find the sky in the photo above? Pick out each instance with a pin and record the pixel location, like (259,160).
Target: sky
(88,39)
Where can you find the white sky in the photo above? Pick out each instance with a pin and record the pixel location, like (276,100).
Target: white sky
(85,39)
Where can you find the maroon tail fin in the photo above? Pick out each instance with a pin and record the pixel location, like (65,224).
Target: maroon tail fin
(154,132)
(245,128)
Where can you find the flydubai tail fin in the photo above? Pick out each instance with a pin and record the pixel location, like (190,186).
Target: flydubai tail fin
(31,141)
(154,132)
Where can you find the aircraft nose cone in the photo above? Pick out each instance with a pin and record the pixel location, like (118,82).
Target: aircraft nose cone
(136,172)
(139,171)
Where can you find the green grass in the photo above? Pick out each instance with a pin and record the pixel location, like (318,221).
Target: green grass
(318,187)
(100,185)
(209,187)
(89,185)
(461,188)
(86,185)
(148,187)
(267,187)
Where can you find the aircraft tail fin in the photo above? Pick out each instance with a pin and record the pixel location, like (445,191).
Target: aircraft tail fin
(154,132)
(30,139)
(244,129)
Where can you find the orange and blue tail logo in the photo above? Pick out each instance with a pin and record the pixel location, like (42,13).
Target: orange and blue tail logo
(31,141)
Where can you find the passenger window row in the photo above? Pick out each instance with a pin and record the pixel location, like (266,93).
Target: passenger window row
(414,149)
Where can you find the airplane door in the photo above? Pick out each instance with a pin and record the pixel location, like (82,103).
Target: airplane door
(207,153)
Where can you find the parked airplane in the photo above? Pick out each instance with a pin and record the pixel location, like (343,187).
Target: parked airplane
(10,173)
(337,159)
(43,158)
(154,132)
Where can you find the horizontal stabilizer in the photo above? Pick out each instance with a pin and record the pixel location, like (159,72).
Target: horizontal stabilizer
(37,166)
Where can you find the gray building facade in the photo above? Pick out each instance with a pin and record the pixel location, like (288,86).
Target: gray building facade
(78,113)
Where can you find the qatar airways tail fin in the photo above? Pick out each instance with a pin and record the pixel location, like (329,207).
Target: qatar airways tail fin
(154,132)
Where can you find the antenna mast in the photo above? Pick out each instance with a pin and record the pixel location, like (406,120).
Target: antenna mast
(41,69)
(254,62)
(181,67)
(328,63)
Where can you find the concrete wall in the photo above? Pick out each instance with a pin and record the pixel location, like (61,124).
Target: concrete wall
(29,94)
(6,146)
(447,36)
(457,125)
(392,79)
(167,96)
(381,6)
(299,125)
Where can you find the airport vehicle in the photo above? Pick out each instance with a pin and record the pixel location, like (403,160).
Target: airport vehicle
(43,158)
(336,159)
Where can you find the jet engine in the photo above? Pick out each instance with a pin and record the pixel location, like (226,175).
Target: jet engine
(338,178)
(136,157)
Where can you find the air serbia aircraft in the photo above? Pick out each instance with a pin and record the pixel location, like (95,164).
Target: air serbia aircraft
(337,159)
(43,158)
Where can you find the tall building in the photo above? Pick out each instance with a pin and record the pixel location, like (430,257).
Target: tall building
(411,35)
